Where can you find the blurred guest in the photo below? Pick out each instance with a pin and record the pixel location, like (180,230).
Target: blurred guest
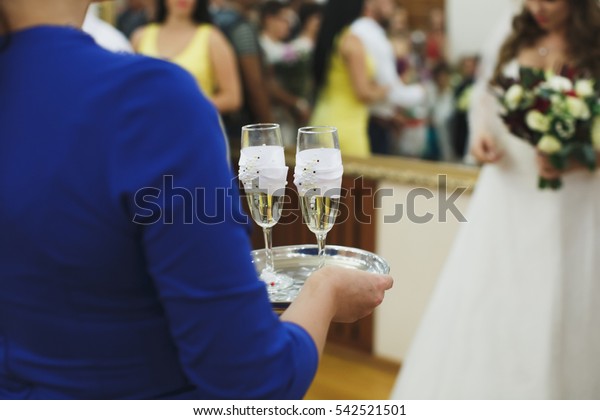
(215,5)
(462,99)
(399,36)
(233,18)
(344,78)
(310,16)
(135,15)
(369,30)
(441,108)
(184,35)
(435,44)
(275,25)
(285,60)
(294,16)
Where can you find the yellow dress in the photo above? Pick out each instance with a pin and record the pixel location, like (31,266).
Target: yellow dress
(195,57)
(338,106)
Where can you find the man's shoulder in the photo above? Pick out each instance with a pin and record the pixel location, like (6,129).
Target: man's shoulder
(228,19)
(365,23)
(238,30)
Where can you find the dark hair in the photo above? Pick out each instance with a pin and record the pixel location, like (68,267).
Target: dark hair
(270,8)
(308,10)
(583,32)
(337,15)
(200,14)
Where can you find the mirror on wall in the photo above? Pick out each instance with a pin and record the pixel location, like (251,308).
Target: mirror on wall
(437,130)
(443,44)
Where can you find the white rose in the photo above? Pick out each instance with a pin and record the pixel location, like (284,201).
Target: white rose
(560,84)
(513,96)
(596,133)
(578,108)
(584,88)
(549,144)
(557,100)
(537,121)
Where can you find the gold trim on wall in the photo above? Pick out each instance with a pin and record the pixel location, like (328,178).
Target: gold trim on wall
(413,172)
(405,171)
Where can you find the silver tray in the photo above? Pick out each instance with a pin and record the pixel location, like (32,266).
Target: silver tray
(299,261)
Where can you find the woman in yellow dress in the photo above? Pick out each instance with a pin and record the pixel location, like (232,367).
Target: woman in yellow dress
(343,78)
(185,36)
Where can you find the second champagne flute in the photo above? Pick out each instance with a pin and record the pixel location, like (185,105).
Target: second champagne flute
(318,177)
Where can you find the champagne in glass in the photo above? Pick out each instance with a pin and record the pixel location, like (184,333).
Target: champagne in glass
(318,176)
(319,212)
(265,209)
(264,175)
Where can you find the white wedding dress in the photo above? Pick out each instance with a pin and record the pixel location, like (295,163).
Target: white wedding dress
(516,311)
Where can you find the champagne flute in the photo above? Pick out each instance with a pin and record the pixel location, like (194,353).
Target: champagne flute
(318,176)
(264,176)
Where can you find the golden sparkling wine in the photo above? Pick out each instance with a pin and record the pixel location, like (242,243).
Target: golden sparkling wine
(319,212)
(265,209)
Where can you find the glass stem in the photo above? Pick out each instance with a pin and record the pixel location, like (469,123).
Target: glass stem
(269,266)
(321,243)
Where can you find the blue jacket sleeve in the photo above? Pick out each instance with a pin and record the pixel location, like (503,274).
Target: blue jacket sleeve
(170,174)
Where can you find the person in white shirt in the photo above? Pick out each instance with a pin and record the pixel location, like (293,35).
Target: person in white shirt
(104,34)
(369,29)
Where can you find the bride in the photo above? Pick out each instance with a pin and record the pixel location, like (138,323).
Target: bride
(516,312)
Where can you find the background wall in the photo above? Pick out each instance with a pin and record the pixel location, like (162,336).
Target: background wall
(416,254)
(471,24)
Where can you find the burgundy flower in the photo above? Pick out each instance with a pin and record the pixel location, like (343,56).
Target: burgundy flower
(542,104)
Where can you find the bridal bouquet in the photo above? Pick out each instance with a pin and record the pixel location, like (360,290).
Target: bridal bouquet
(558,114)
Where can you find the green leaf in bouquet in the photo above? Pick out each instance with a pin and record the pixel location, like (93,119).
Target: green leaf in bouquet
(588,156)
(563,126)
(559,159)
(553,184)
(530,77)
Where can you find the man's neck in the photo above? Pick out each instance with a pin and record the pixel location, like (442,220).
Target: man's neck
(23,14)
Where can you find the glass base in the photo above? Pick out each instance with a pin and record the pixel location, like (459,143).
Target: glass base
(278,285)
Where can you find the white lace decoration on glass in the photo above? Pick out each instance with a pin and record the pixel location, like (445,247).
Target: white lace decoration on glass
(319,172)
(263,168)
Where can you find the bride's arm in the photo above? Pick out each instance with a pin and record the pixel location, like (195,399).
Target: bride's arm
(483,109)
(482,143)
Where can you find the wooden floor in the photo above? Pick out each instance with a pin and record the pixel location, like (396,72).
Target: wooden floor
(350,375)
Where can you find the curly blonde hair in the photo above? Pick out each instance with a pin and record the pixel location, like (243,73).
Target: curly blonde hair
(583,37)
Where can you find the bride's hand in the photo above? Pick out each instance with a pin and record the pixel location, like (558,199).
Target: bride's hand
(545,169)
(548,171)
(485,150)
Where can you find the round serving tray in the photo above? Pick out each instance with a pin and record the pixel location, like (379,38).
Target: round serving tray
(299,261)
